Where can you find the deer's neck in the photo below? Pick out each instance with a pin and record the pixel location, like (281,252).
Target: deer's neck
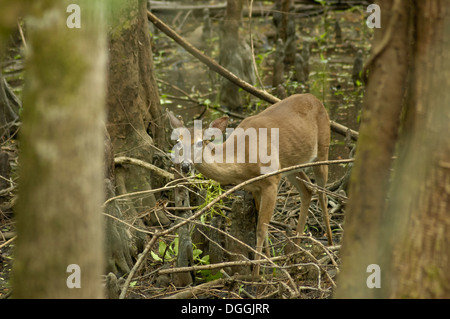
(215,165)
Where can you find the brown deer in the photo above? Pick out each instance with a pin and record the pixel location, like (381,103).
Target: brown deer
(299,133)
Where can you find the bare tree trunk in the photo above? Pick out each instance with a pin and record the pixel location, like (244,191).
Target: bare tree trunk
(61,161)
(243,227)
(416,254)
(400,221)
(185,256)
(235,55)
(376,144)
(134,113)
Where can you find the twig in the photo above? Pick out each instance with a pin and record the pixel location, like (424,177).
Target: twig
(5,191)
(127,224)
(191,291)
(210,266)
(150,191)
(22,36)
(121,160)
(8,242)
(324,190)
(140,193)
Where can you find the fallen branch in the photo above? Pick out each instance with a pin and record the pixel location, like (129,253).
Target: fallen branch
(177,6)
(210,266)
(213,65)
(8,242)
(193,291)
(121,160)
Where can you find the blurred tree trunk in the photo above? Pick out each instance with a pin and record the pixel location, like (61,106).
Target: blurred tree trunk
(61,160)
(135,122)
(416,255)
(400,221)
(376,144)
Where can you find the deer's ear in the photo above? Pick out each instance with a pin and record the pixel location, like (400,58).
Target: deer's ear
(174,121)
(220,123)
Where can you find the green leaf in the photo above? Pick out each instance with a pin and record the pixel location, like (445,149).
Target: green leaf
(162,248)
(155,256)
(174,246)
(205,260)
(197,253)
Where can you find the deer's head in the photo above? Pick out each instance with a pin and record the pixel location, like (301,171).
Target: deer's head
(191,141)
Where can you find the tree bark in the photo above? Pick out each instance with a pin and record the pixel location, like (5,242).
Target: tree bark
(235,55)
(243,227)
(61,162)
(135,123)
(185,256)
(376,144)
(117,242)
(400,221)
(416,240)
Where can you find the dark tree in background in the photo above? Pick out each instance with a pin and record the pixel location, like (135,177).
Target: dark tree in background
(135,123)
(235,55)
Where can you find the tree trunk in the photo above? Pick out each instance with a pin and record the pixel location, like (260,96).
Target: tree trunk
(416,254)
(376,144)
(117,241)
(243,227)
(61,161)
(185,256)
(135,122)
(285,23)
(400,221)
(235,55)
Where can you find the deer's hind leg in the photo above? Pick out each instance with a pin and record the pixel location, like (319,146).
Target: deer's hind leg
(321,173)
(305,197)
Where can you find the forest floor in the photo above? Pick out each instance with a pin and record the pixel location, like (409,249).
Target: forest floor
(190,89)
